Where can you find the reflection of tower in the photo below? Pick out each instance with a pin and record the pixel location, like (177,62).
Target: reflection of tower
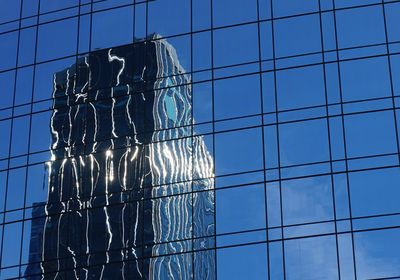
(119,203)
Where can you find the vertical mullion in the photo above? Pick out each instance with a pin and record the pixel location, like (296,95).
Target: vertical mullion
(277,138)
(329,135)
(263,134)
(192,141)
(213,132)
(344,136)
(26,168)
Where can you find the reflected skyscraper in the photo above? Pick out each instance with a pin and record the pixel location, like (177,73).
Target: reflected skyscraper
(120,201)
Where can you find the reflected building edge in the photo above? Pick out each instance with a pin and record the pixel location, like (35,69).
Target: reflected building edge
(120,201)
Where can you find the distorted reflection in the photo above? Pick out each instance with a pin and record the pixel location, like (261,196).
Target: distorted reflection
(120,203)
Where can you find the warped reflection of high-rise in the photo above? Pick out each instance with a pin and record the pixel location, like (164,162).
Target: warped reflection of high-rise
(120,201)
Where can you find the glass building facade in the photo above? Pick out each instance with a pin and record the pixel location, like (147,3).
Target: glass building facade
(199,139)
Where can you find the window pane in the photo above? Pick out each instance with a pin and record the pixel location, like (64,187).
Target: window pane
(303,142)
(236,97)
(9,10)
(250,214)
(298,35)
(168,17)
(370,134)
(365,78)
(300,87)
(235,45)
(377,253)
(360,27)
(107,28)
(238,151)
(6,89)
(292,7)
(307,200)
(374,192)
(57,39)
(8,50)
(239,11)
(243,262)
(311,258)
(52,5)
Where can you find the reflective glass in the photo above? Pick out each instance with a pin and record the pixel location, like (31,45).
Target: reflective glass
(370,134)
(380,248)
(297,35)
(168,18)
(108,32)
(378,187)
(360,27)
(292,7)
(251,214)
(240,11)
(235,97)
(55,44)
(303,142)
(302,87)
(235,45)
(8,50)
(192,139)
(233,154)
(307,200)
(365,78)
(311,258)
(9,10)
(242,262)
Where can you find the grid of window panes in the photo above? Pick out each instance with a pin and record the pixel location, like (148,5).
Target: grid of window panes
(298,103)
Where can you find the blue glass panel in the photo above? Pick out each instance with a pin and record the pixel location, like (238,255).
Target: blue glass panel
(311,258)
(283,8)
(235,45)
(53,5)
(9,10)
(20,136)
(370,134)
(303,142)
(40,134)
(377,253)
(107,30)
(360,27)
(6,89)
(8,50)
(5,128)
(240,11)
(374,192)
(392,12)
(365,78)
(245,262)
(11,244)
(55,44)
(27,42)
(168,18)
(300,87)
(297,35)
(250,214)
(307,200)
(236,97)
(238,151)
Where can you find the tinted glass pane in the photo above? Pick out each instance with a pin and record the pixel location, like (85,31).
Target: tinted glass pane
(57,39)
(298,35)
(360,27)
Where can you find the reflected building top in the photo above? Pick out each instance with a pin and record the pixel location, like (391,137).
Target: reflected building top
(119,201)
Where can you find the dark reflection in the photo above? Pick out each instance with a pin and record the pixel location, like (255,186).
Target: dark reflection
(110,211)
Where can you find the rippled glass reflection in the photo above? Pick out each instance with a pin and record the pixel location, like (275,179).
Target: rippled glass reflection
(120,202)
